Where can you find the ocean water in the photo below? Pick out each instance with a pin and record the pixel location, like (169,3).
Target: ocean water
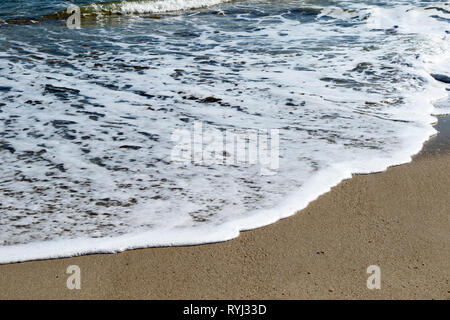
(88,116)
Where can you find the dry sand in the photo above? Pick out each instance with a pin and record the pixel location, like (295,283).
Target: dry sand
(398,220)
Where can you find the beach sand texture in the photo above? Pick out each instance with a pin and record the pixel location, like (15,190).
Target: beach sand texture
(398,220)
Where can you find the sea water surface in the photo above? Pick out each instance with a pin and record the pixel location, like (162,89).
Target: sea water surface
(87,116)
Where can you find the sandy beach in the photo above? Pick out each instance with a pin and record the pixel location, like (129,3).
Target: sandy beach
(146,124)
(398,220)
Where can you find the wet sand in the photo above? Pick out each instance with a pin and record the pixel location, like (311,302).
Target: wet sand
(398,220)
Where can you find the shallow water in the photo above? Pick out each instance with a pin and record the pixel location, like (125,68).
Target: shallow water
(87,117)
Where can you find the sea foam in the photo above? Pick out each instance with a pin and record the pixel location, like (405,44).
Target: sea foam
(87,117)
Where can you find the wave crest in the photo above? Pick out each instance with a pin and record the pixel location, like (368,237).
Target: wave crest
(145,6)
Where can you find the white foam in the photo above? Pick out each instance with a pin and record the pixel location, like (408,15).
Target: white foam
(350,122)
(148,6)
(167,5)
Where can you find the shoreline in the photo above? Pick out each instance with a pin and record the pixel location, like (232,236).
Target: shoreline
(60,249)
(397,219)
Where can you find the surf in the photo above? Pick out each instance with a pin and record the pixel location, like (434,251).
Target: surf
(87,118)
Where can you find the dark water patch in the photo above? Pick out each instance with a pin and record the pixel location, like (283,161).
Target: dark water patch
(362,67)
(210,100)
(61,92)
(33,102)
(151,136)
(130,147)
(144,94)
(62,123)
(7,147)
(438,9)
(5,89)
(92,114)
(439,144)
(343,82)
(98,161)
(441,77)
